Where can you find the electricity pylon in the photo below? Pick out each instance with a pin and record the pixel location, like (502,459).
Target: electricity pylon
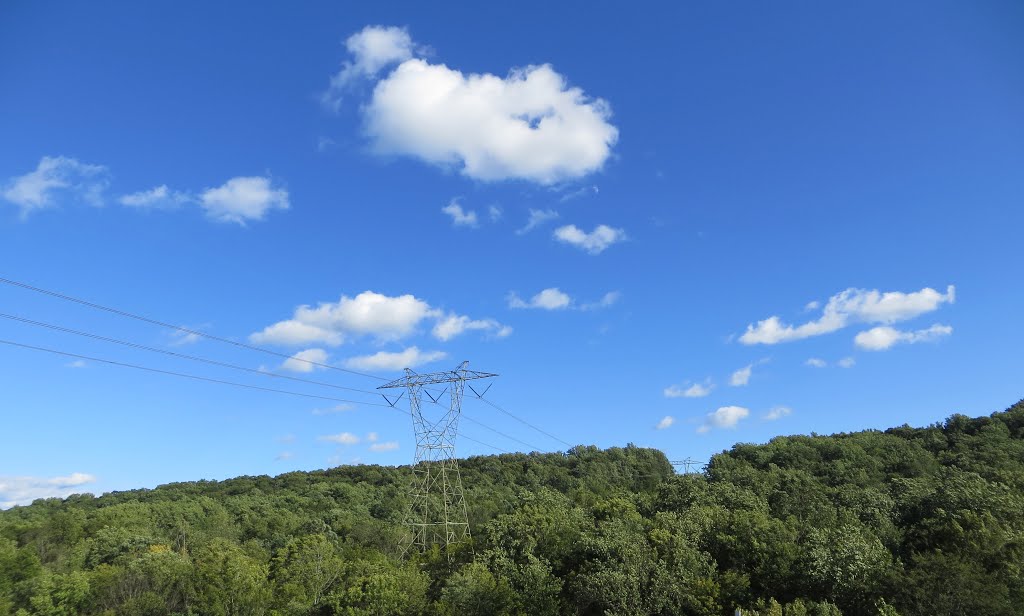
(688,465)
(437,511)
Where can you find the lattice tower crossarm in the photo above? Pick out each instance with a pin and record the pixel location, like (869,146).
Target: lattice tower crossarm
(437,510)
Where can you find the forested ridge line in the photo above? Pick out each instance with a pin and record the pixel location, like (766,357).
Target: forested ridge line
(910,521)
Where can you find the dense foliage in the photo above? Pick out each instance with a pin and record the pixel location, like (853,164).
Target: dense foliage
(908,521)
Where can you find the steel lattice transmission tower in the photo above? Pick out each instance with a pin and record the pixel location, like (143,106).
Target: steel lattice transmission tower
(437,511)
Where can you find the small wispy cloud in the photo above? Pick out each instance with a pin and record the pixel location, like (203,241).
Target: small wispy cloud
(580,192)
(777,412)
(725,417)
(816,362)
(696,390)
(337,408)
(284,455)
(23,490)
(305,361)
(160,197)
(461,217)
(594,242)
(885,337)
(344,438)
(388,446)
(536,219)
(846,362)
(548,299)
(56,178)
(385,360)
(666,422)
(608,299)
(742,376)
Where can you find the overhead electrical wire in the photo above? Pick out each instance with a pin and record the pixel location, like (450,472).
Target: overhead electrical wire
(486,427)
(235,343)
(185,330)
(523,421)
(184,374)
(233,367)
(217,381)
(212,362)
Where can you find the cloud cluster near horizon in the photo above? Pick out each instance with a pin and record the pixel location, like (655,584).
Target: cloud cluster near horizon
(860,306)
(23,490)
(383,318)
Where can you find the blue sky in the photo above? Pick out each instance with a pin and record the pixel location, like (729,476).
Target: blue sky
(747,221)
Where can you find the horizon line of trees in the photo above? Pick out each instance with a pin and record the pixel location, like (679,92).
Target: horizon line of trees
(907,521)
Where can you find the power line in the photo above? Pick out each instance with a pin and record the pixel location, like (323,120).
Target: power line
(233,367)
(186,375)
(235,343)
(498,432)
(186,330)
(523,421)
(219,382)
(204,360)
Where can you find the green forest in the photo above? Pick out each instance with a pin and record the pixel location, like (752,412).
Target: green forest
(910,521)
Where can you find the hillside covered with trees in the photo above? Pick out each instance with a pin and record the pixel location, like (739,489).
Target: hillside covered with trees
(911,521)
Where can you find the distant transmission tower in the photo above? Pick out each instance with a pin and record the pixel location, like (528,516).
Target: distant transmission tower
(689,465)
(437,511)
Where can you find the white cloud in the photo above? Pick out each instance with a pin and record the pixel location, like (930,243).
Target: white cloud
(323,143)
(337,408)
(724,417)
(594,242)
(78,363)
(460,217)
(53,176)
(294,333)
(386,318)
(160,197)
(23,490)
(383,360)
(181,337)
(816,362)
(301,361)
(742,376)
(666,422)
(548,299)
(812,306)
(372,437)
(846,362)
(697,390)
(606,300)
(242,199)
(284,455)
(884,337)
(369,313)
(453,325)
(529,125)
(372,49)
(495,213)
(849,306)
(580,192)
(344,438)
(388,446)
(537,218)
(777,412)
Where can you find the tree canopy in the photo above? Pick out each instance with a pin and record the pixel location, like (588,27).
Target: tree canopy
(909,521)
